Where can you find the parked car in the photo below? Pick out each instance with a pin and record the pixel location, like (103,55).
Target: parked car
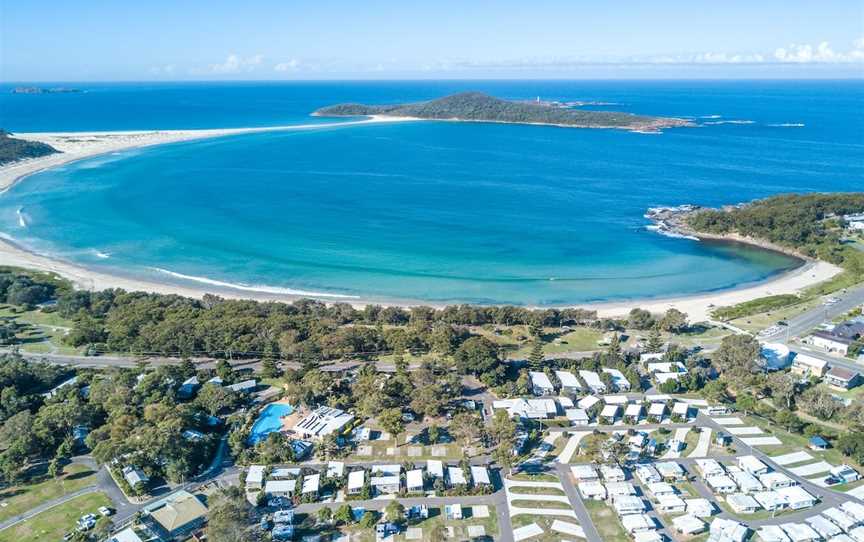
(105,511)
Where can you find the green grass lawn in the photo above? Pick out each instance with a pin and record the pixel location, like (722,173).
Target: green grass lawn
(534,477)
(794,443)
(17,499)
(528,503)
(606,522)
(523,490)
(380,448)
(579,340)
(42,332)
(52,524)
(758,322)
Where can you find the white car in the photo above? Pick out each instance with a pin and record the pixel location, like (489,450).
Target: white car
(105,511)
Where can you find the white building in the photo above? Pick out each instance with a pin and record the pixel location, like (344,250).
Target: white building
(322,422)
(710,467)
(619,489)
(752,465)
(633,412)
(311,483)
(592,380)
(660,489)
(671,504)
(628,505)
(456,476)
(435,468)
(670,470)
(531,409)
(800,532)
(388,484)
(824,527)
(775,480)
(840,518)
(612,473)
(845,473)
(770,500)
(699,507)
(637,523)
(746,481)
(592,490)
(480,475)
(280,488)
(356,481)
(657,410)
(569,382)
(681,409)
(721,484)
(609,413)
(584,473)
(797,497)
(255,477)
(414,481)
(727,530)
(577,416)
(587,402)
(772,533)
(619,381)
(540,383)
(742,504)
(335,469)
(689,525)
(647,474)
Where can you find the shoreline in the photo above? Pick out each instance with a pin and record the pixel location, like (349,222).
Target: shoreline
(80,145)
(696,306)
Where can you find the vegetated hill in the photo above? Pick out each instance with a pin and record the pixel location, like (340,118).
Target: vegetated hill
(796,221)
(476,106)
(12,149)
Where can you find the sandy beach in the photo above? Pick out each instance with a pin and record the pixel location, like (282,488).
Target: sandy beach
(79,145)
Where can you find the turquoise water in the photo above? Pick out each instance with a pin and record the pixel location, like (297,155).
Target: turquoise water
(438,212)
(269,421)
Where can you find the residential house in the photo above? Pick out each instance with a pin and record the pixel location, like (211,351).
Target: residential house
(435,468)
(247,386)
(592,490)
(660,489)
(721,484)
(817,443)
(843,378)
(727,530)
(414,481)
(688,525)
(335,469)
(709,467)
(750,464)
(647,474)
(255,477)
(699,507)
(619,489)
(587,402)
(656,411)
(577,416)
(742,503)
(592,380)
(681,410)
(188,387)
(637,523)
(135,477)
(808,366)
(456,476)
(772,533)
(323,421)
(385,485)
(612,473)
(824,527)
(775,480)
(569,383)
(584,473)
(279,488)
(453,511)
(746,481)
(670,470)
(830,342)
(311,484)
(126,535)
(800,532)
(356,481)
(540,383)
(845,473)
(632,413)
(770,500)
(671,504)
(628,504)
(797,497)
(619,381)
(840,518)
(480,476)
(176,516)
(609,413)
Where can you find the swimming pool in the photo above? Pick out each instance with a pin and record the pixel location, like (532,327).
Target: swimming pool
(269,421)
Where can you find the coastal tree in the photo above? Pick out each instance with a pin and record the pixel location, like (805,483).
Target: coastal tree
(391,421)
(640,319)
(229,516)
(737,355)
(673,321)
(536,357)
(343,515)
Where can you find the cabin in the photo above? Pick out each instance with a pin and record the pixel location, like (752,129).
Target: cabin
(632,413)
(647,474)
(746,481)
(619,489)
(817,443)
(671,504)
(797,497)
(628,504)
(699,507)
(656,411)
(800,532)
(592,490)
(311,484)
(742,503)
(280,488)
(688,525)
(775,480)
(840,518)
(453,511)
(435,468)
(540,384)
(456,476)
(584,473)
(592,380)
(356,481)
(845,473)
(670,470)
(176,516)
(824,527)
(638,523)
(480,476)
(135,477)
(681,410)
(609,413)
(727,530)
(721,484)
(569,383)
(577,416)
(385,485)
(751,464)
(414,481)
(612,473)
(247,386)
(619,381)
(255,477)
(770,500)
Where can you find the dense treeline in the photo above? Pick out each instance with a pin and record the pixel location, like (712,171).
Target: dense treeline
(12,149)
(796,221)
(120,321)
(482,107)
(134,415)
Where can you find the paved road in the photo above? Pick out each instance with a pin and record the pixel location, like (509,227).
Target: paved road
(46,506)
(808,320)
(591,533)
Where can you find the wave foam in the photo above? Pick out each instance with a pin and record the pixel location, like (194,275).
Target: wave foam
(710,116)
(250,288)
(101,255)
(730,122)
(22,218)
(788,125)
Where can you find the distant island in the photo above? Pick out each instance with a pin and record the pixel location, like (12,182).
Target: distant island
(479,107)
(43,90)
(12,149)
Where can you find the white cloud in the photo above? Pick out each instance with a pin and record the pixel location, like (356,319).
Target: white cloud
(168,69)
(822,53)
(290,66)
(235,63)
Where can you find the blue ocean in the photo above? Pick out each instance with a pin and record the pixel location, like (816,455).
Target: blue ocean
(427,211)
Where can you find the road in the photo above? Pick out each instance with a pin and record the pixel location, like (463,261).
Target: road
(808,320)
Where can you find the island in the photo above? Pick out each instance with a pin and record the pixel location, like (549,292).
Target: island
(12,149)
(479,107)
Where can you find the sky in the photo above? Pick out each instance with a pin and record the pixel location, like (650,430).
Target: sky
(111,40)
